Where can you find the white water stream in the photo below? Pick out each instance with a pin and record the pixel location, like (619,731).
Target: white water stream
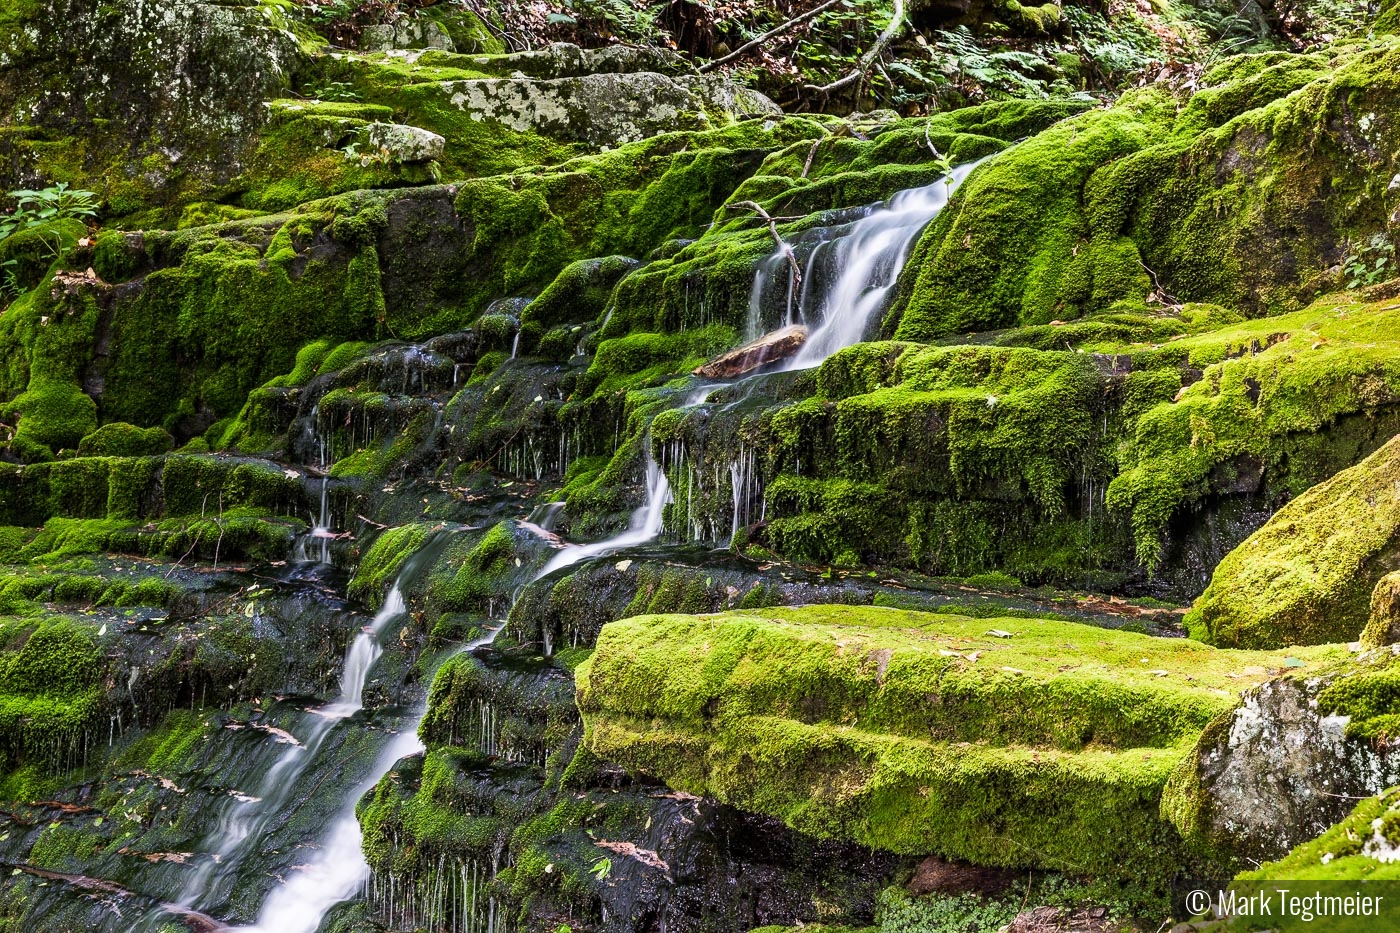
(849,273)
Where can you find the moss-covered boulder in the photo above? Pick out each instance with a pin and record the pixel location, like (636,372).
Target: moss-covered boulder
(1001,742)
(1248,196)
(1307,576)
(142,103)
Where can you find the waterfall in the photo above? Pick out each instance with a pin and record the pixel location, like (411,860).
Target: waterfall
(338,871)
(849,270)
(644,524)
(244,823)
(315,546)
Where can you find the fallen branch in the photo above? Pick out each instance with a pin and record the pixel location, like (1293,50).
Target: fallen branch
(777,238)
(863,66)
(775,31)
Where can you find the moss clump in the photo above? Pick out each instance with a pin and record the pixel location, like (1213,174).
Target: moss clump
(1307,576)
(1240,198)
(125,440)
(1008,253)
(381,563)
(51,677)
(916,732)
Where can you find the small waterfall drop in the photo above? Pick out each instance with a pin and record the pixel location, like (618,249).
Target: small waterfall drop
(849,269)
(315,545)
(244,824)
(339,871)
(644,524)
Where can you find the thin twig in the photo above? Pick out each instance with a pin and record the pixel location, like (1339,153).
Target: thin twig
(776,30)
(777,237)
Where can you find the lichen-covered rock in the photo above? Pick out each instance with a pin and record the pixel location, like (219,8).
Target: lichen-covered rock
(605,109)
(404,143)
(1362,847)
(1307,576)
(1274,772)
(142,102)
(407,33)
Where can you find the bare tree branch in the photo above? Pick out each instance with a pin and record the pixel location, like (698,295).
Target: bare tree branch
(863,66)
(776,30)
(777,238)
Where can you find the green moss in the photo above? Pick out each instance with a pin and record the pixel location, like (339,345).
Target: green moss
(1306,577)
(1266,383)
(1008,252)
(381,563)
(118,439)
(50,692)
(907,731)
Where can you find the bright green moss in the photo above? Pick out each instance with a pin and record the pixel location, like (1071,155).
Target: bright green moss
(1306,577)
(1266,384)
(1007,253)
(481,571)
(50,691)
(118,439)
(915,732)
(381,563)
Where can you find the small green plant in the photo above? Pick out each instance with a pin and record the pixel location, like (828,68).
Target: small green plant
(602,868)
(9,285)
(39,207)
(342,91)
(1369,262)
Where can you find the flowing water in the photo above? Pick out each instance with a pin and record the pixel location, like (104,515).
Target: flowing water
(643,526)
(848,269)
(247,817)
(339,871)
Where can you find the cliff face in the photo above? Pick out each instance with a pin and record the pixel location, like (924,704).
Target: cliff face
(361,399)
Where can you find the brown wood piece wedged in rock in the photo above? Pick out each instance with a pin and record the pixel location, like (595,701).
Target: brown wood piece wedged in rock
(939,876)
(779,345)
(1383,626)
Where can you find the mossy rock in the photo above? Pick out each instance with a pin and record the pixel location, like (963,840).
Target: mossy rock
(919,733)
(125,440)
(1359,848)
(1307,576)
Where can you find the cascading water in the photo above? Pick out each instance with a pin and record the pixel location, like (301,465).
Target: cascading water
(644,525)
(339,870)
(849,269)
(315,545)
(242,825)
